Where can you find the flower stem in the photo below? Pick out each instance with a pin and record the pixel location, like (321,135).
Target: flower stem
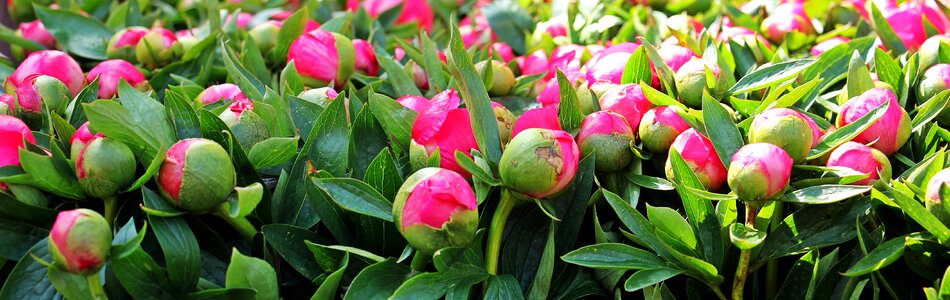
(771,269)
(497,228)
(742,271)
(110,203)
(419,261)
(95,286)
(241,224)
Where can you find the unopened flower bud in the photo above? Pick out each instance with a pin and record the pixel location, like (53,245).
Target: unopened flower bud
(759,172)
(158,47)
(539,162)
(888,133)
(247,126)
(659,128)
(434,209)
(105,167)
(122,45)
(322,57)
(80,241)
(785,128)
(864,159)
(197,175)
(701,157)
(608,135)
(502,77)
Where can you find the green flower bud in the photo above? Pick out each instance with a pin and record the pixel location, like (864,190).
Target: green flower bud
(104,167)
(80,241)
(785,128)
(502,77)
(197,175)
(539,162)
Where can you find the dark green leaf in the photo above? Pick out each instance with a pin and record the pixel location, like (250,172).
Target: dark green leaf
(613,256)
(329,140)
(770,74)
(721,130)
(847,132)
(252,273)
(510,22)
(273,151)
(356,196)
(504,287)
(648,277)
(824,194)
(80,35)
(882,256)
(473,92)
(745,237)
(179,245)
(378,281)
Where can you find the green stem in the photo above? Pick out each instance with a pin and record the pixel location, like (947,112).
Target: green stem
(95,286)
(241,224)
(718,292)
(742,271)
(110,203)
(771,271)
(496,229)
(419,261)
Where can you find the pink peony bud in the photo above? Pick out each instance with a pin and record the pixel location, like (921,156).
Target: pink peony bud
(445,128)
(675,56)
(225,91)
(608,66)
(504,51)
(534,63)
(104,167)
(413,11)
(628,101)
(938,192)
(12,134)
(907,20)
(863,159)
(828,44)
(265,35)
(608,135)
(38,90)
(659,128)
(48,62)
(934,81)
(35,31)
(197,175)
(759,172)
(701,157)
(816,132)
(158,47)
(80,139)
(890,131)
(745,37)
(502,77)
(929,52)
(784,128)
(365,59)
(787,18)
(243,19)
(80,241)
(322,57)
(111,71)
(245,124)
(319,96)
(545,117)
(434,209)
(122,45)
(539,162)
(416,103)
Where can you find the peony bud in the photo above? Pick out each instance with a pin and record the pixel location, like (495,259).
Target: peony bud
(828,44)
(413,11)
(35,31)
(225,91)
(247,126)
(122,45)
(608,66)
(418,75)
(539,162)
(7,104)
(48,62)
(908,22)
(38,90)
(929,52)
(111,71)
(104,167)
(675,56)
(844,97)
(759,172)
(365,58)
(701,157)
(534,63)
(890,131)
(628,101)
(322,57)
(784,128)
(545,117)
(158,47)
(691,81)
(608,135)
(80,139)
(434,209)
(504,51)
(503,79)
(938,192)
(416,103)
(864,159)
(816,132)
(265,35)
(784,21)
(319,96)
(80,241)
(197,175)
(506,122)
(12,134)
(660,126)
(935,80)
(445,128)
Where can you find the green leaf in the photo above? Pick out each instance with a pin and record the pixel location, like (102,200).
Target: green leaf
(222,294)
(650,182)
(648,277)
(745,237)
(72,286)
(148,113)
(710,195)
(469,165)
(803,277)
(613,256)
(401,81)
(378,281)
(290,30)
(473,92)
(929,110)
(28,279)
(673,228)
(351,250)
(541,285)
(395,119)
(659,98)
(434,66)
(253,273)
(289,242)
(115,121)
(770,74)
(51,174)
(179,245)
(510,22)
(329,141)
(245,200)
(721,130)
(80,35)
(19,237)
(383,175)
(120,250)
(290,82)
(637,224)
(699,211)
(638,68)
(882,256)
(918,212)
(824,194)
(141,276)
(504,287)
(356,196)
(831,67)
(859,78)
(812,227)
(663,71)
(886,33)
(181,115)
(249,84)
(273,151)
(327,289)
(569,110)
(887,69)
(847,132)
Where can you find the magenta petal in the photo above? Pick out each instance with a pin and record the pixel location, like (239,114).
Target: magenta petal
(545,117)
